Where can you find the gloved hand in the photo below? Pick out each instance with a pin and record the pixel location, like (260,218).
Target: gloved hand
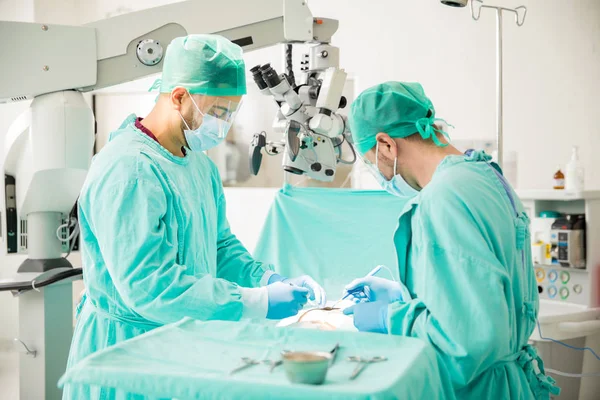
(369,317)
(285,300)
(372,288)
(316,292)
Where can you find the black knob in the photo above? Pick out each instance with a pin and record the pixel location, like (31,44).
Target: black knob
(343,102)
(316,167)
(329,172)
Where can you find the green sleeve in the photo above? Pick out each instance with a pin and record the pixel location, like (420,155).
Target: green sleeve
(234,262)
(139,246)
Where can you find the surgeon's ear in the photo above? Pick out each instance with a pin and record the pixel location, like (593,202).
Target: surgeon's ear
(177,96)
(387,145)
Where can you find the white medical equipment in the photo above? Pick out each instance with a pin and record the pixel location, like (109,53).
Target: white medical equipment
(520,15)
(49,146)
(313,132)
(569,297)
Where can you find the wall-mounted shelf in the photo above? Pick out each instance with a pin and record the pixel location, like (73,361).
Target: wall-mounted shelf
(569,202)
(558,267)
(558,195)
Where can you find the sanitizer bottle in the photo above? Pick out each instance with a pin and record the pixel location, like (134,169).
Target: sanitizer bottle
(574,176)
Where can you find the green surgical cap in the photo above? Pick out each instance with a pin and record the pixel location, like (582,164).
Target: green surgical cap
(203,64)
(399,109)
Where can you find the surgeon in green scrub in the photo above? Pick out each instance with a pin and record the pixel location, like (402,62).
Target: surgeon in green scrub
(463,245)
(156,245)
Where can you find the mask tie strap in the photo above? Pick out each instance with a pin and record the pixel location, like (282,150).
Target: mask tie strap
(377,160)
(195,105)
(183,119)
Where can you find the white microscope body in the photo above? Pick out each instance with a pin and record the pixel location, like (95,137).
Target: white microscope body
(48,151)
(313,131)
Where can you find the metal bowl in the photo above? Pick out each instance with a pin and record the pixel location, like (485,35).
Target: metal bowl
(309,367)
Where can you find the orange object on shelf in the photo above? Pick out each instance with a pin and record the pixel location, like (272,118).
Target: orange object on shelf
(559,180)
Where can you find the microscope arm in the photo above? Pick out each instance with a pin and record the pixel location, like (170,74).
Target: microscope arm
(105,53)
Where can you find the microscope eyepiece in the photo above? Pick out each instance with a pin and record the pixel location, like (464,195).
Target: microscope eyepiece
(270,75)
(258,79)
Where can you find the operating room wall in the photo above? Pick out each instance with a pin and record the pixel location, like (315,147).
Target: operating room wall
(551,69)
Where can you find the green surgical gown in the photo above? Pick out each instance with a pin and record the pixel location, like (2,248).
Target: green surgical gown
(464,256)
(156,247)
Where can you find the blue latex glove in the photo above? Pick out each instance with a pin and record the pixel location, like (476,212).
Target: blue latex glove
(316,292)
(369,317)
(285,300)
(372,289)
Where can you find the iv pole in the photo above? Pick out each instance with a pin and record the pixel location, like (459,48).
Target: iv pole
(520,14)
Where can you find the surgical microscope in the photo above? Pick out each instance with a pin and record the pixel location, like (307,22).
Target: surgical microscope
(313,133)
(49,147)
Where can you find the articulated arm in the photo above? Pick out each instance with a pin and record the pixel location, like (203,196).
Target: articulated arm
(116,50)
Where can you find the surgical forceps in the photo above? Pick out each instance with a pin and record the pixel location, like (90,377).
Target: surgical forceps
(248,362)
(362,364)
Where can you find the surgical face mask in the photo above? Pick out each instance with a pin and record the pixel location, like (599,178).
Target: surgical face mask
(214,127)
(396,186)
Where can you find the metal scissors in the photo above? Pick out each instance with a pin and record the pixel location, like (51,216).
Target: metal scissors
(362,364)
(273,364)
(248,362)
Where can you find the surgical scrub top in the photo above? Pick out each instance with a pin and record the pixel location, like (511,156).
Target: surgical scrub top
(465,259)
(156,247)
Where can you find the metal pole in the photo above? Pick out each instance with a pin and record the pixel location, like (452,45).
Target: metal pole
(499,90)
(520,20)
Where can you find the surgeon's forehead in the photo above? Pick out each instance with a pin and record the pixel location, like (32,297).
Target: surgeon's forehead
(229,103)
(233,99)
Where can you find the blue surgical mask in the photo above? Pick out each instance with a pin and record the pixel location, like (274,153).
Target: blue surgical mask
(396,186)
(211,132)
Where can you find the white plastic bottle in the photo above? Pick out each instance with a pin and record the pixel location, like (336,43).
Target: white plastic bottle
(574,174)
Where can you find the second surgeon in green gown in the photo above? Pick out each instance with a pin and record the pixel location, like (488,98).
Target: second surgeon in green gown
(467,279)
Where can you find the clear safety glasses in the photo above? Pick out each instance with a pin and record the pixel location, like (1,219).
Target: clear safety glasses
(220,112)
(374,168)
(223,109)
